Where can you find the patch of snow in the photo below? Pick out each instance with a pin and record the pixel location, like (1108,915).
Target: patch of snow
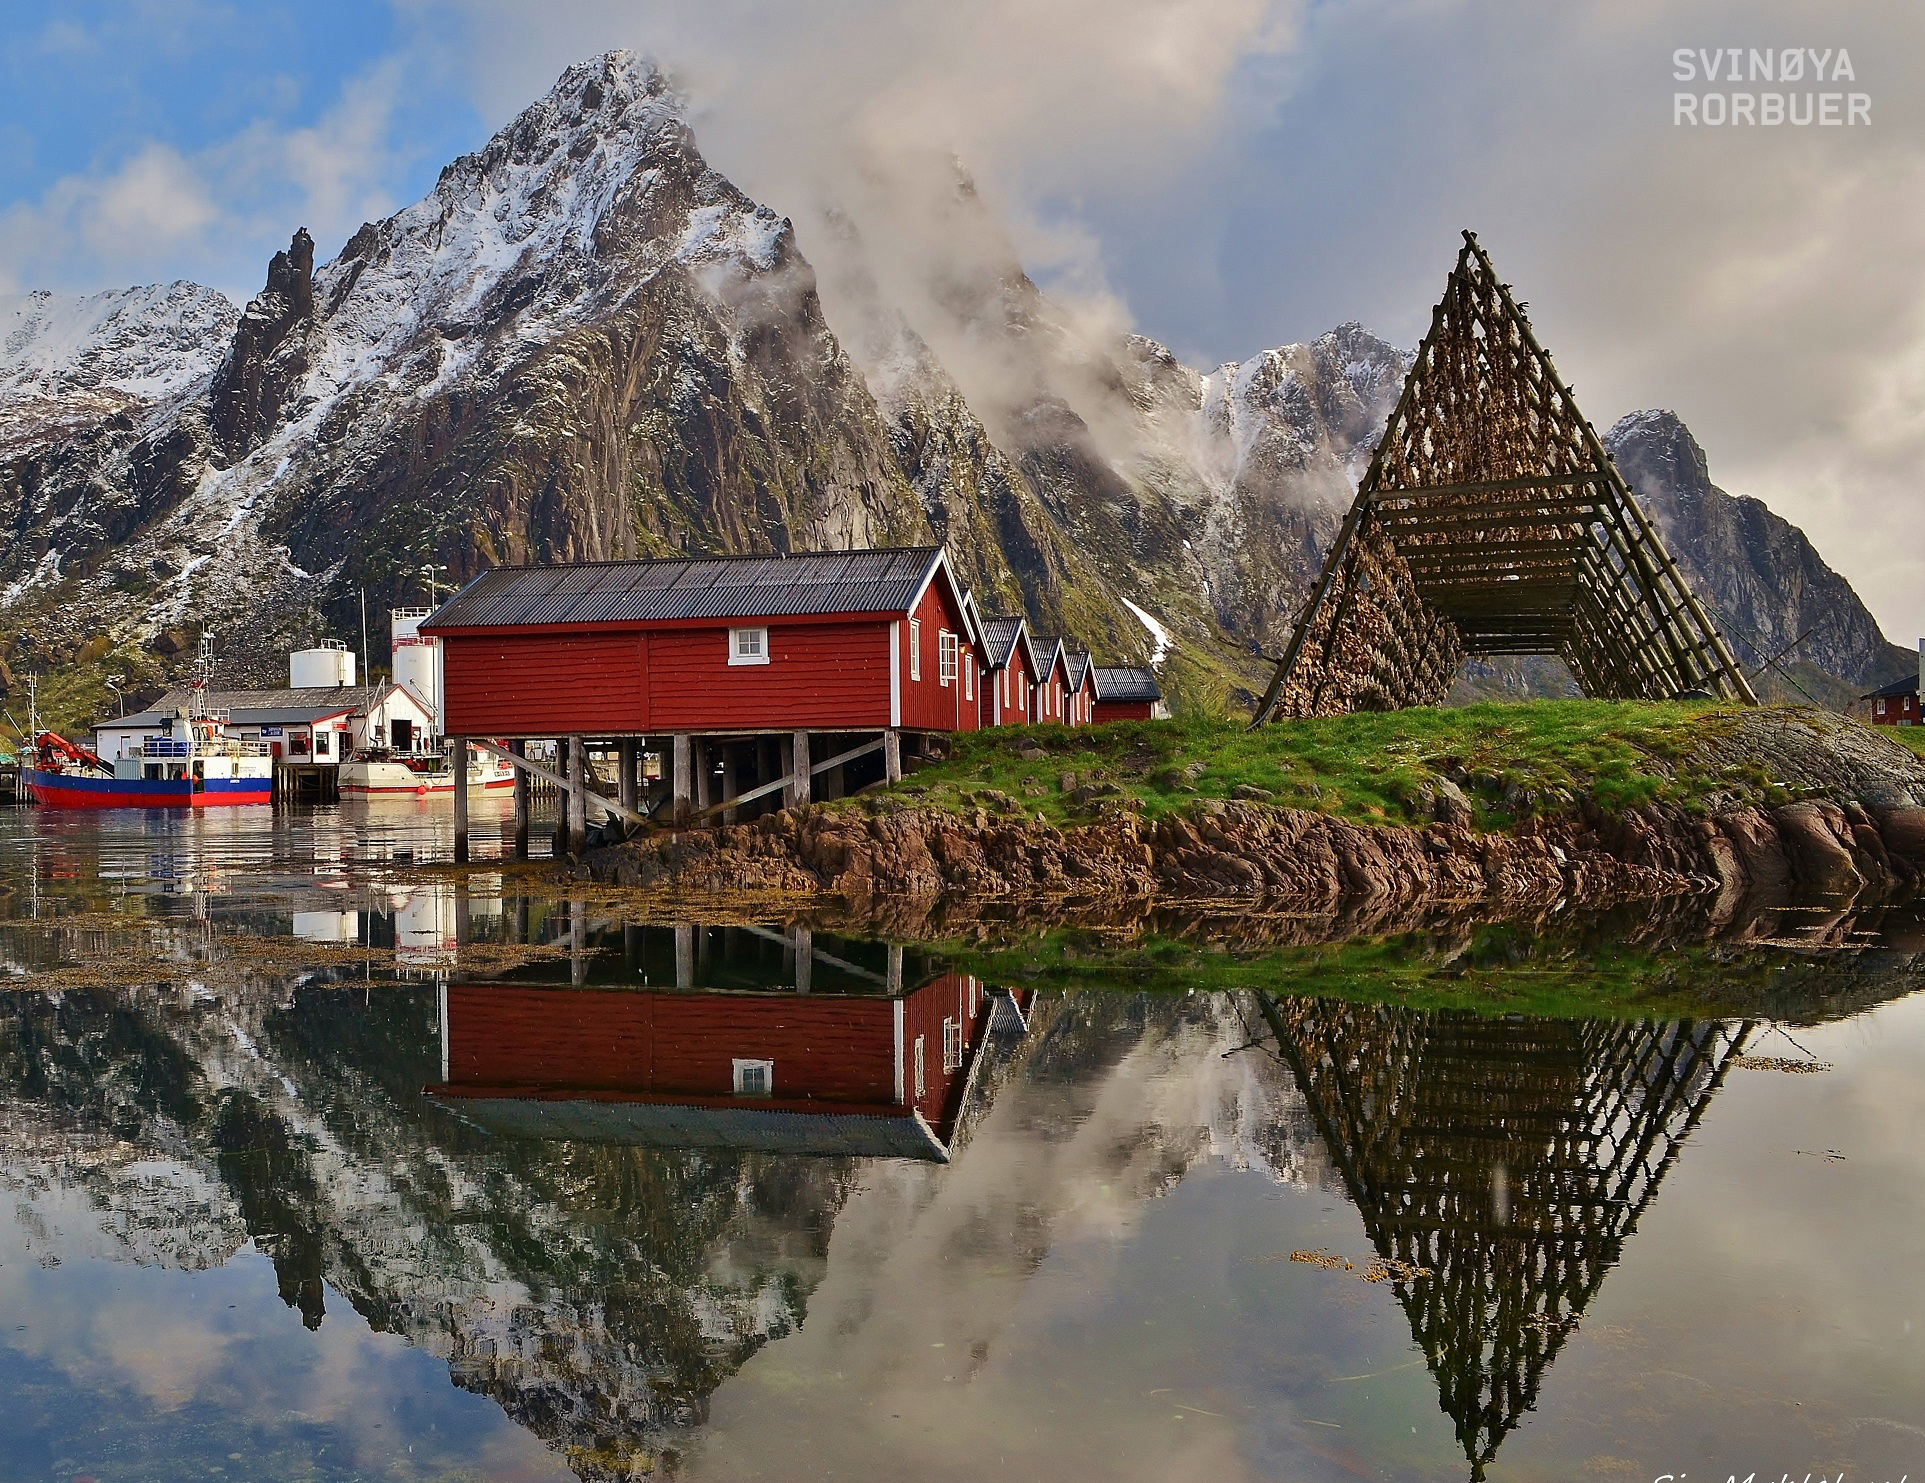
(1159,635)
(46,570)
(145,343)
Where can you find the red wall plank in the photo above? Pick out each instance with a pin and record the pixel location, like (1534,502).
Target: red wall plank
(927,703)
(545,684)
(588,1040)
(820,676)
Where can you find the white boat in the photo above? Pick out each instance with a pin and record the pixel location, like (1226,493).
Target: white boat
(418,774)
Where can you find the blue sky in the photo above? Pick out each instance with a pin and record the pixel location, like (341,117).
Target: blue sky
(1226,175)
(234,93)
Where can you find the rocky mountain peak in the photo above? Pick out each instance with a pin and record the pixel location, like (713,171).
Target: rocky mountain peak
(268,354)
(1766,585)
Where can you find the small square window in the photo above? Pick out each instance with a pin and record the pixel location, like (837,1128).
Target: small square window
(748,646)
(915,648)
(754,1078)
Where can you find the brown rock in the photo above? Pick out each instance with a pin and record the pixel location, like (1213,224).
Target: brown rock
(1817,841)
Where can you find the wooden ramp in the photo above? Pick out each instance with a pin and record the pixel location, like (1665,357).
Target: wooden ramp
(1491,521)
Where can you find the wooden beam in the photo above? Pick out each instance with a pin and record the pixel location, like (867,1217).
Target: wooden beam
(554,777)
(1491,486)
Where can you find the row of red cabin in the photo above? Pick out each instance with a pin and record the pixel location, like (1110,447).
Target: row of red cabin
(833,641)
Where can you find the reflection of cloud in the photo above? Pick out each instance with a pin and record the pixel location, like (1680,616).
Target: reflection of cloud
(138,1347)
(914,1359)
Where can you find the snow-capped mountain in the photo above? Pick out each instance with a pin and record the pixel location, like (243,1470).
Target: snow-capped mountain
(67,362)
(585,343)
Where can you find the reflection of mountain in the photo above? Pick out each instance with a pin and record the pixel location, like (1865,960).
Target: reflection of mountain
(598,1292)
(1510,1158)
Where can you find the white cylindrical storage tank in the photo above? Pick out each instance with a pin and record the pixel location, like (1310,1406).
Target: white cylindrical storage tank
(328,664)
(416,659)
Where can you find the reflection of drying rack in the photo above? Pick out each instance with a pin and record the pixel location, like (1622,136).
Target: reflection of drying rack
(1511,1158)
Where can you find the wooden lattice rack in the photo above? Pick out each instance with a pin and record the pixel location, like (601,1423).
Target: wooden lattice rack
(1491,521)
(1509,1158)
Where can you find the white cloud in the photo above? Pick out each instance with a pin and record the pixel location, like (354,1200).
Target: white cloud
(214,215)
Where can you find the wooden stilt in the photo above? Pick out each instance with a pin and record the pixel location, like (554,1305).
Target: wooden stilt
(892,756)
(681,777)
(799,770)
(577,795)
(461,799)
(684,957)
(630,754)
(804,959)
(522,800)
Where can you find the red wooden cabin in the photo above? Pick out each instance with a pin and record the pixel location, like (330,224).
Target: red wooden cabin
(1079,707)
(1011,688)
(1895,704)
(771,1069)
(1129,693)
(842,641)
(1052,681)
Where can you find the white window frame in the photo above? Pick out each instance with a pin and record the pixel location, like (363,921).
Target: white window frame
(952,1046)
(969,675)
(922,1084)
(915,648)
(756,641)
(745,1071)
(948,652)
(1881,707)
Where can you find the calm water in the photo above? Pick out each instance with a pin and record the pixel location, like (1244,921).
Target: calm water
(317,1164)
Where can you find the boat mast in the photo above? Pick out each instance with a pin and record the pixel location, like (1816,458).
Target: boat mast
(203,672)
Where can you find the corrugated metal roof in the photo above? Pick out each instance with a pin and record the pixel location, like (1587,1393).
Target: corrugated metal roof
(880,581)
(999,634)
(1044,648)
(1078,667)
(1127,683)
(1903,685)
(667,1125)
(254,707)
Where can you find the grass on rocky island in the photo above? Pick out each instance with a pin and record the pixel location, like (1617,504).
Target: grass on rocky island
(1509,760)
(1498,968)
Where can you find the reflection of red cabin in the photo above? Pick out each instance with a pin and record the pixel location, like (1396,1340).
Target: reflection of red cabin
(776,1070)
(1011,684)
(839,641)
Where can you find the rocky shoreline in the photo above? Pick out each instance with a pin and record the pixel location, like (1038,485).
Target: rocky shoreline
(1217,850)
(1854,826)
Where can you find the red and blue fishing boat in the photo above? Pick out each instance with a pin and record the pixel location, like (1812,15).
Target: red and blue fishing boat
(197,766)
